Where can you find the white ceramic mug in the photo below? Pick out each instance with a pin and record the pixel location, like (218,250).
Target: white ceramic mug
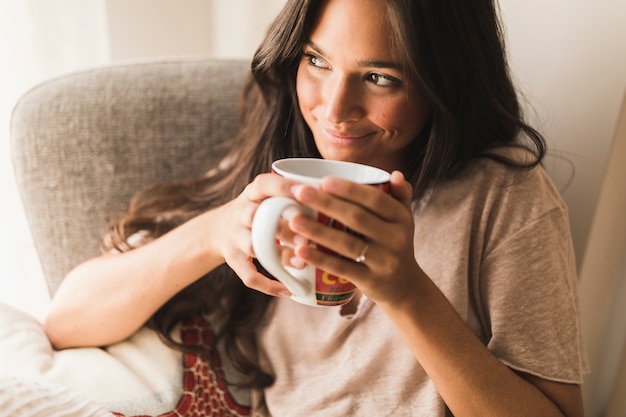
(310,285)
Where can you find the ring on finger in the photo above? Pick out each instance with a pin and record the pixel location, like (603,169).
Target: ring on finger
(361,258)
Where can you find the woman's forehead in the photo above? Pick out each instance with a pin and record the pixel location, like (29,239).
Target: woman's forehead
(358,27)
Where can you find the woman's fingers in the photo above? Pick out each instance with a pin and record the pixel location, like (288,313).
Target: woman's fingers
(268,185)
(348,246)
(247,272)
(365,210)
(380,226)
(401,190)
(235,239)
(378,223)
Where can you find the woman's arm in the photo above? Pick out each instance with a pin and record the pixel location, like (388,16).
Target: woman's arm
(470,379)
(106,299)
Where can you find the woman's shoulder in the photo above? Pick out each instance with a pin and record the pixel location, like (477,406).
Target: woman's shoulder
(509,169)
(488,184)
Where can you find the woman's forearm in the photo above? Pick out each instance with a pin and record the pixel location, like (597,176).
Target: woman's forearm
(106,299)
(471,380)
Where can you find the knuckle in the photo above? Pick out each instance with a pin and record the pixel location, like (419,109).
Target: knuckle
(250,279)
(355,247)
(400,241)
(247,214)
(341,269)
(253,190)
(391,264)
(377,198)
(359,217)
(251,186)
(249,250)
(397,246)
(386,264)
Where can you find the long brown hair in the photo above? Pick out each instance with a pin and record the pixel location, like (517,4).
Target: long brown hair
(453,49)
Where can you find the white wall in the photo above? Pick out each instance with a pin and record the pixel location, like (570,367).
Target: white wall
(603,281)
(221,28)
(148,28)
(39,39)
(569,58)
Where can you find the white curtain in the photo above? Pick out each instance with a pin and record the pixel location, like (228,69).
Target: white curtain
(38,39)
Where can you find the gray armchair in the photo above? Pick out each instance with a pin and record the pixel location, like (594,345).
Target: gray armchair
(82,144)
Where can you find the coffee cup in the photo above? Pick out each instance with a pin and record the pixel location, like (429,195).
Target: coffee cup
(309,285)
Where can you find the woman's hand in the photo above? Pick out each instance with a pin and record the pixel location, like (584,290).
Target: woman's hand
(154,272)
(447,349)
(385,223)
(233,232)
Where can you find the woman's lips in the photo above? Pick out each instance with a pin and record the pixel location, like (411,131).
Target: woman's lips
(345,136)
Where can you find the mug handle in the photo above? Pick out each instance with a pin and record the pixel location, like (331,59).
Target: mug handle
(264,226)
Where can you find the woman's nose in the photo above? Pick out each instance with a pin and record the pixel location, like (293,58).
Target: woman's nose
(343,100)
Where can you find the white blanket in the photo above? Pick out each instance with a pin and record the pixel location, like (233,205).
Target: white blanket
(32,399)
(138,376)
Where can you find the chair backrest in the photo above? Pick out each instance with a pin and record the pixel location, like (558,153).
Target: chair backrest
(83,143)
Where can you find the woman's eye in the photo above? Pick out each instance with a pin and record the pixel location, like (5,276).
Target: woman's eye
(381,80)
(315,61)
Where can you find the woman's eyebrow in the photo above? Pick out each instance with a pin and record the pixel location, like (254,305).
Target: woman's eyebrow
(381,64)
(316,48)
(373,63)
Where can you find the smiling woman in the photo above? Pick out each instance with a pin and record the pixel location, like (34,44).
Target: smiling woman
(354,94)
(567,44)
(451,251)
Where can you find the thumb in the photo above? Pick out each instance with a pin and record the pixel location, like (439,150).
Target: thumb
(401,190)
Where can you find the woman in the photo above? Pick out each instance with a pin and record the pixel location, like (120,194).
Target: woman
(467,294)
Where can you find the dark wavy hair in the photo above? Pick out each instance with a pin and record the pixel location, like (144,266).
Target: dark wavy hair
(453,49)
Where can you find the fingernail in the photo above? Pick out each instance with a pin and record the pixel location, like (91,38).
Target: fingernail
(296,189)
(329,182)
(297,262)
(302,192)
(300,240)
(284,293)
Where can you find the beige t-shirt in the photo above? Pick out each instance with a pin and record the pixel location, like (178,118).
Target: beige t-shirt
(498,246)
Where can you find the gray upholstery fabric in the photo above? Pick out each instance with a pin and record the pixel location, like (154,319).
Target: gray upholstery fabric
(83,143)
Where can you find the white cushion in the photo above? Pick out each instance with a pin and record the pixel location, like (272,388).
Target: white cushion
(138,376)
(20,398)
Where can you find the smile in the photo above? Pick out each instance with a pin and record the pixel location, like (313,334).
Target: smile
(345,136)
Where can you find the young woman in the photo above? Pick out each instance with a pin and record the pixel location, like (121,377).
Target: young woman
(467,300)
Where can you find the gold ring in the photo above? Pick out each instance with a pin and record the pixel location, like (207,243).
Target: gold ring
(361,258)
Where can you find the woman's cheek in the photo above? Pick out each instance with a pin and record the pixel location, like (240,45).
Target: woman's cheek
(307,90)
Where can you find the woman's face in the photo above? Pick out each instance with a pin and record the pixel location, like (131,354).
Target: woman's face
(352,92)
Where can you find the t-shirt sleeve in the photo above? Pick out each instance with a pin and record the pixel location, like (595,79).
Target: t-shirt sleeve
(529,292)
